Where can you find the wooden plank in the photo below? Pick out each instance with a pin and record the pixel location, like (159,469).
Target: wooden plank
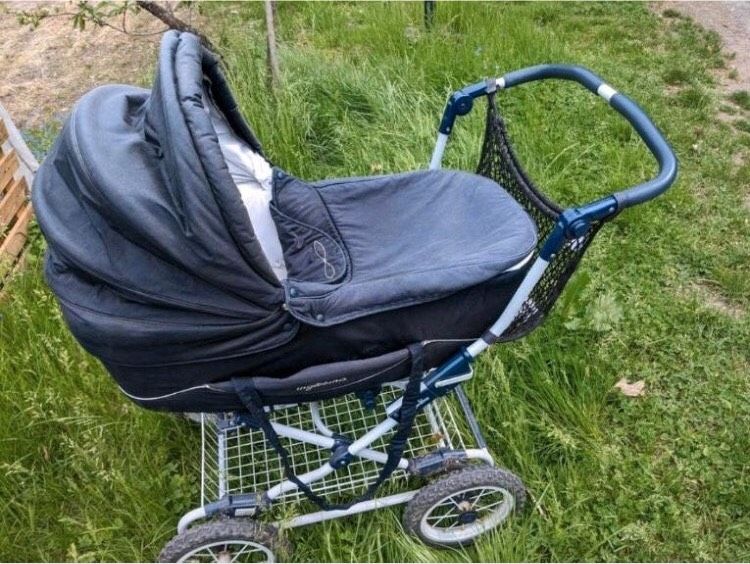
(16,237)
(3,134)
(11,203)
(8,165)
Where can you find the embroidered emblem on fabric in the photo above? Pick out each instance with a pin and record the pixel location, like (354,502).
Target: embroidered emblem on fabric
(320,251)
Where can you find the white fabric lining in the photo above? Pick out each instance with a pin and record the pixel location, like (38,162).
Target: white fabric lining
(252,174)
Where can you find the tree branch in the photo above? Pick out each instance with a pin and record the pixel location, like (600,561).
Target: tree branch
(174,22)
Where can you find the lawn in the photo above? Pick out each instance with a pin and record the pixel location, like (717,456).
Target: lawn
(662,296)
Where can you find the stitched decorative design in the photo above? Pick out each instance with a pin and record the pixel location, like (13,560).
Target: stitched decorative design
(329,270)
(311,255)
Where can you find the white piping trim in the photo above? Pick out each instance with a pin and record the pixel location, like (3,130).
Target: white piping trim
(519,265)
(431,341)
(606,92)
(154,398)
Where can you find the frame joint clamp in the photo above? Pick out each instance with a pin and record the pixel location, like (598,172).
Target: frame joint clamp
(341,456)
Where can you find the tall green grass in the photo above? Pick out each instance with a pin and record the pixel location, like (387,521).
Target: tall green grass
(663,296)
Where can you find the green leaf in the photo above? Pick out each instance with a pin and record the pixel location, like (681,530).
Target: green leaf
(605,313)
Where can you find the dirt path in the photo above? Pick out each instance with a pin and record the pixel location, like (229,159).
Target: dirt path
(45,70)
(731,20)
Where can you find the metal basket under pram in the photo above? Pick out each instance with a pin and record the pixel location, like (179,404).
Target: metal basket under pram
(230,450)
(445,472)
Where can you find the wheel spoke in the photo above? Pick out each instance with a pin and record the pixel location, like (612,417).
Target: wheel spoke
(446,503)
(457,504)
(442,511)
(231,551)
(441,518)
(240,553)
(492,505)
(481,494)
(248,549)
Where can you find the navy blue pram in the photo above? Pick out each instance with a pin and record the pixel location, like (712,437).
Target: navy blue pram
(207,279)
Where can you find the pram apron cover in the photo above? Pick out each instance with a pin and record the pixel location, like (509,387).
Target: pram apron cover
(153,257)
(359,246)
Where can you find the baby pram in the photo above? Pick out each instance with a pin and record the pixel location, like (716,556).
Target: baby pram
(323,329)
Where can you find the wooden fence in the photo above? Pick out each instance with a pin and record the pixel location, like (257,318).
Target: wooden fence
(15,207)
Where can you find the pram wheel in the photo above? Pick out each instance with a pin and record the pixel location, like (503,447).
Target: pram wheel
(226,540)
(458,507)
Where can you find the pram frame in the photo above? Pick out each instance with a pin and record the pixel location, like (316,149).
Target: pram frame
(242,506)
(572,223)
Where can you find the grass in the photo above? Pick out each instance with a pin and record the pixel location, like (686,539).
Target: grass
(741,98)
(662,296)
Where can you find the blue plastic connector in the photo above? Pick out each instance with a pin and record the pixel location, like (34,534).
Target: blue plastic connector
(574,223)
(459,104)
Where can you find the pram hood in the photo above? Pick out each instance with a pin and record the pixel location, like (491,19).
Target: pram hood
(151,252)
(154,259)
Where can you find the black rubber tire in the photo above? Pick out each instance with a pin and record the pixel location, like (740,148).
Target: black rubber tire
(449,484)
(226,529)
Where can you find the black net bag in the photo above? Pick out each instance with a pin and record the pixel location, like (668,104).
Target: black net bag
(499,162)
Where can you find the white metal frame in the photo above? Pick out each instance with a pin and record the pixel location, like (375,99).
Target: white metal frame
(439,419)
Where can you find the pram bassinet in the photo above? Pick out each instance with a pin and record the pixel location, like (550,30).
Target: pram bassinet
(162,268)
(160,274)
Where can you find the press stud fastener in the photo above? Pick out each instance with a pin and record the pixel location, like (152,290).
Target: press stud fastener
(279,174)
(292,292)
(320,317)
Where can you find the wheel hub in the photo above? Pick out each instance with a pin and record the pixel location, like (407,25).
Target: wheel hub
(224,556)
(467,517)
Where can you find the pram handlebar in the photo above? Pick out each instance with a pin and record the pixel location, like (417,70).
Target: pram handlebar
(461,102)
(631,111)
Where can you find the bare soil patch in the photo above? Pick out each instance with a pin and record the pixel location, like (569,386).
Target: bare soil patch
(731,20)
(712,299)
(45,70)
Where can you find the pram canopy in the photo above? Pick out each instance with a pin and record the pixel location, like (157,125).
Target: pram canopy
(158,266)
